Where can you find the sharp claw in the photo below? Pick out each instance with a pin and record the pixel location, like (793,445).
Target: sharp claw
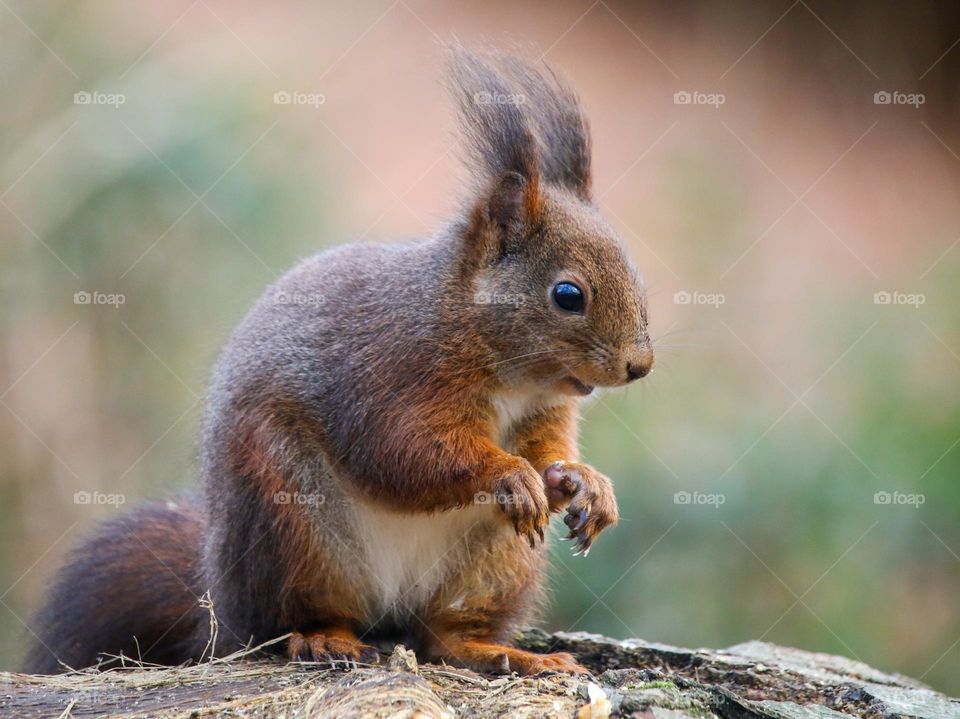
(540,532)
(533,541)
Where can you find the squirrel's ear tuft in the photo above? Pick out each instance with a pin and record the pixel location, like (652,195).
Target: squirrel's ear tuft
(498,137)
(517,117)
(558,120)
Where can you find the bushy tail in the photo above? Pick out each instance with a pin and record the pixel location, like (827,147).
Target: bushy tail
(131,589)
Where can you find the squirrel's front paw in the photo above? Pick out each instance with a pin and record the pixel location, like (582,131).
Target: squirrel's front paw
(519,492)
(592,505)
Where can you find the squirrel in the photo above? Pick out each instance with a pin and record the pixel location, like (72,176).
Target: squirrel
(390,427)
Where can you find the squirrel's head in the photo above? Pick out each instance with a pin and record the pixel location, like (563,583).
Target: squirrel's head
(551,288)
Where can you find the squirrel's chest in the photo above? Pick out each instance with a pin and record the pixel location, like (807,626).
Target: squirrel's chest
(511,408)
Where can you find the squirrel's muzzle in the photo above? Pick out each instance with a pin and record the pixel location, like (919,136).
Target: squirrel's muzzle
(640,363)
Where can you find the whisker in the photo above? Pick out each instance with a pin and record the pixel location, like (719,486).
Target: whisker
(674,332)
(523,356)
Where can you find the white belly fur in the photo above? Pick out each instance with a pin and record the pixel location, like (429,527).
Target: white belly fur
(408,556)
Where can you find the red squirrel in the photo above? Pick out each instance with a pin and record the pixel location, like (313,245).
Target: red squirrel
(390,427)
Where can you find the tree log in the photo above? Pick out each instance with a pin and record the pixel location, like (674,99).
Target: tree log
(631,678)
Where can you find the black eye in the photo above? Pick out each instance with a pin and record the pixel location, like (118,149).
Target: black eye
(568,297)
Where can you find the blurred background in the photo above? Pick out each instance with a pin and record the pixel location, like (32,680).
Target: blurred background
(785,174)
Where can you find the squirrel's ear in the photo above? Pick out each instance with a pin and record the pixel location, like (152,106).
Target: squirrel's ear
(502,218)
(514,203)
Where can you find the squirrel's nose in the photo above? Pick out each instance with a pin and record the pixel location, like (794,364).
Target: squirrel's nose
(641,365)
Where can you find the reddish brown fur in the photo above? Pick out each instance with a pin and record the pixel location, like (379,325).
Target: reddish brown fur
(305,589)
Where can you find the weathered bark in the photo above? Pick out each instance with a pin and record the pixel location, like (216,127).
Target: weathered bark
(631,678)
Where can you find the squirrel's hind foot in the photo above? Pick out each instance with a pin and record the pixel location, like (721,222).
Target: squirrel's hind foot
(491,658)
(331,645)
